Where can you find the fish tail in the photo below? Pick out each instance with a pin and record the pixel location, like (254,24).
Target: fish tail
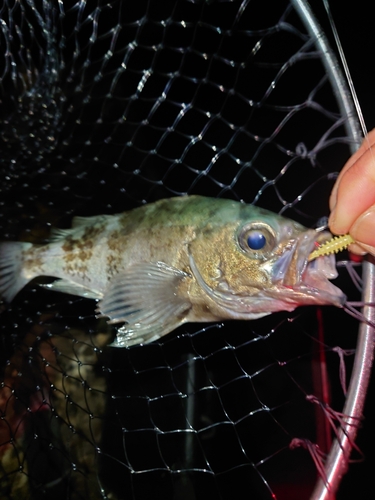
(12,279)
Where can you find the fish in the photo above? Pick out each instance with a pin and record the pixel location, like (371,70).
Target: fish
(178,260)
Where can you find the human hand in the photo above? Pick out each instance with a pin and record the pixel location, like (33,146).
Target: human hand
(352,200)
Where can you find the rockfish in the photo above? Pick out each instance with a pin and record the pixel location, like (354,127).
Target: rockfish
(184,259)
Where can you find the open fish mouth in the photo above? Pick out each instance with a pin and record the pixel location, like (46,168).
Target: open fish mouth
(309,280)
(316,280)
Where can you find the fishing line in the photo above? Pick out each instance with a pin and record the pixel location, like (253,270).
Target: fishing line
(339,243)
(346,70)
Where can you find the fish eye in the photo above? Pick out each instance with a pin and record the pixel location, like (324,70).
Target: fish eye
(257,239)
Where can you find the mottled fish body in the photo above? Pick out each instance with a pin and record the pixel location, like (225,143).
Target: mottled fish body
(179,260)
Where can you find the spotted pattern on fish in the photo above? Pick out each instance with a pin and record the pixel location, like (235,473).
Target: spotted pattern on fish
(33,261)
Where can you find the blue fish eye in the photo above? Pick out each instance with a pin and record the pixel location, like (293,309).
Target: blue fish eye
(256,240)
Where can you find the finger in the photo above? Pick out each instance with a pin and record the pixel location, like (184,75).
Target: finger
(355,193)
(367,143)
(363,230)
(357,249)
(364,249)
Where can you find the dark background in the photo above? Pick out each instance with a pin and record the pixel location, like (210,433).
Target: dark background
(355,25)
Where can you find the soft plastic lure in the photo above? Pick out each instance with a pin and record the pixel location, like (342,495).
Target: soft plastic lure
(334,245)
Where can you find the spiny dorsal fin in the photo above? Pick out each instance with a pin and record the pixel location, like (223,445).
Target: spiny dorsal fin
(79,221)
(58,234)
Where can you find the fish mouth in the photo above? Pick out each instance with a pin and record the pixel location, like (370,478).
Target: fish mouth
(308,281)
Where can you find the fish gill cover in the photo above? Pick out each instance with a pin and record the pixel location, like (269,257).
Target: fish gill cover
(105,106)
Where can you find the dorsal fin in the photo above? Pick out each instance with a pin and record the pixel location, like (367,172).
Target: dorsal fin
(58,234)
(79,221)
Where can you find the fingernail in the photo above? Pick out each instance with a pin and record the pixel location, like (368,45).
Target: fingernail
(367,249)
(332,218)
(336,226)
(333,197)
(356,249)
(363,230)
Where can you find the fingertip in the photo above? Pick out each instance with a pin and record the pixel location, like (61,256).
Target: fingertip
(363,229)
(332,221)
(365,249)
(356,249)
(337,223)
(333,197)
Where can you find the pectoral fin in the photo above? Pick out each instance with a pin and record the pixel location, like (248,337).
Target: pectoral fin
(145,297)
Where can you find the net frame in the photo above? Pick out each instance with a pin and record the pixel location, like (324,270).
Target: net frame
(336,464)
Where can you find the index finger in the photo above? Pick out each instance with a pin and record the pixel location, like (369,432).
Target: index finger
(355,191)
(367,143)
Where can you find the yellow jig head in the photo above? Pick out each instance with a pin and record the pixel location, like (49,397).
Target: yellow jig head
(333,245)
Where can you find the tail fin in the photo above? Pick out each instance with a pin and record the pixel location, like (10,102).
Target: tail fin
(11,264)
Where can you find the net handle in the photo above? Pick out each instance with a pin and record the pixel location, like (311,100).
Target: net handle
(337,461)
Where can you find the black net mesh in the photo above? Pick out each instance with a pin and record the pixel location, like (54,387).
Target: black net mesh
(106,105)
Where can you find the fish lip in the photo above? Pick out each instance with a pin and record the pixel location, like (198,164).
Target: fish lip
(299,281)
(312,277)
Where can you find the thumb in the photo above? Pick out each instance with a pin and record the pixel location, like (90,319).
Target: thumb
(363,230)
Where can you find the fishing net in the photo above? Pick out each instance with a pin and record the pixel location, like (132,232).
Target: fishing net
(105,106)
